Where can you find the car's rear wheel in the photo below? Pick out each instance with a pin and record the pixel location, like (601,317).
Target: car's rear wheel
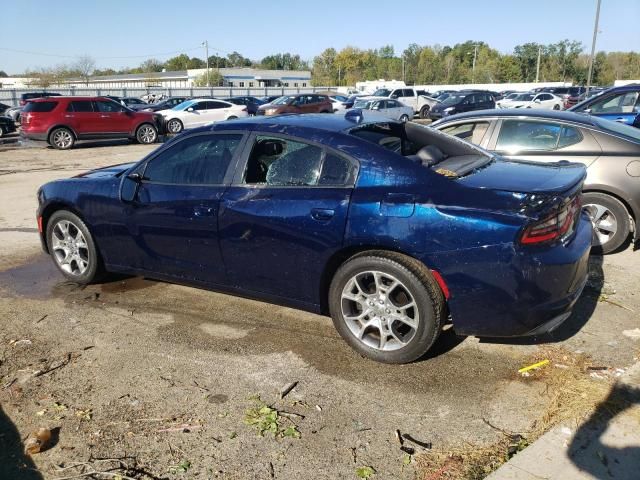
(404,118)
(610,219)
(146,134)
(232,117)
(72,247)
(424,111)
(386,306)
(62,138)
(556,107)
(174,126)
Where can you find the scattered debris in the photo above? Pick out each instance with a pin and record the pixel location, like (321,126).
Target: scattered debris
(365,472)
(84,414)
(533,366)
(56,365)
(566,431)
(319,408)
(38,441)
(184,428)
(408,450)
(272,472)
(605,298)
(16,343)
(425,445)
(182,467)
(41,319)
(634,334)
(399,437)
(267,419)
(287,389)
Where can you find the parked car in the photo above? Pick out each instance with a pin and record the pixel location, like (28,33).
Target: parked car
(509,97)
(621,104)
(61,121)
(609,150)
(200,111)
(4,107)
(574,99)
(131,101)
(269,98)
(389,108)
(543,100)
(452,230)
(252,103)
(442,94)
(300,103)
(340,102)
(462,101)
(13,113)
(409,96)
(7,126)
(25,97)
(165,104)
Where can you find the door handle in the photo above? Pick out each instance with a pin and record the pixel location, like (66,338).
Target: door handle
(322,214)
(104,116)
(620,119)
(204,211)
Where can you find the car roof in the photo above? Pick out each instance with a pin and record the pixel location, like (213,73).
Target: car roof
(318,121)
(71,97)
(558,115)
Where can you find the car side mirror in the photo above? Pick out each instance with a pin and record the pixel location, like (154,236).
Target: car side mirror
(129,188)
(190,109)
(586,110)
(394,96)
(537,100)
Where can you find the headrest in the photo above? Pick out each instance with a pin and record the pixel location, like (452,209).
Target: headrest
(270,147)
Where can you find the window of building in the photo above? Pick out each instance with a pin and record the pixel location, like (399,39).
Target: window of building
(251,84)
(295,84)
(304,84)
(242,84)
(286,84)
(231,84)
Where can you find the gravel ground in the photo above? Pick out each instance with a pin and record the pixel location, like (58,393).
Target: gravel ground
(161,376)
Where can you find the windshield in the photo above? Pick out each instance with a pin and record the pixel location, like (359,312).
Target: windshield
(362,104)
(282,100)
(617,128)
(382,92)
(524,97)
(184,105)
(511,96)
(453,99)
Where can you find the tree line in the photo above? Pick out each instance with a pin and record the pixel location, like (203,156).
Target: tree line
(565,61)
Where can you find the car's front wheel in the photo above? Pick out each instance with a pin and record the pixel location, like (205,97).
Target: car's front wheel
(62,138)
(404,118)
(556,107)
(610,219)
(174,126)
(387,306)
(146,134)
(72,247)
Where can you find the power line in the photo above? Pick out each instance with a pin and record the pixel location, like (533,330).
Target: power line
(44,54)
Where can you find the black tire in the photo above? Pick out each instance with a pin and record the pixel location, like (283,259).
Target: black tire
(404,118)
(424,111)
(2,132)
(62,138)
(419,283)
(556,107)
(232,117)
(174,126)
(146,134)
(615,214)
(59,252)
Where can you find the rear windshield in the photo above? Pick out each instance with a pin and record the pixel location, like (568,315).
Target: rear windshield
(40,106)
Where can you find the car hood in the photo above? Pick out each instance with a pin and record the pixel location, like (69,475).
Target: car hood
(110,171)
(522,177)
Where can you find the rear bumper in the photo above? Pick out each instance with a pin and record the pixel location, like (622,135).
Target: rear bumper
(510,291)
(434,115)
(34,135)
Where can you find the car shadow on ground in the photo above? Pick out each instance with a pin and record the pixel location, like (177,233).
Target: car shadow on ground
(582,312)
(587,450)
(14,463)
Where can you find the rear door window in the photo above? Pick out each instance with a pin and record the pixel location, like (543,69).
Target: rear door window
(80,106)
(472,132)
(108,106)
(523,135)
(40,107)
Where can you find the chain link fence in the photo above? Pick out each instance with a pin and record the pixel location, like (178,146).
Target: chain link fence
(12,96)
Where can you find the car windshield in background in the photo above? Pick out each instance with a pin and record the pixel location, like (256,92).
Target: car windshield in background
(183,105)
(362,104)
(382,92)
(617,128)
(282,100)
(524,97)
(453,99)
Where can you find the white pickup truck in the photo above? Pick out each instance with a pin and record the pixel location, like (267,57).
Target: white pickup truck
(421,104)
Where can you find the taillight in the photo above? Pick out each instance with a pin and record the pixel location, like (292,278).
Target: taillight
(552,227)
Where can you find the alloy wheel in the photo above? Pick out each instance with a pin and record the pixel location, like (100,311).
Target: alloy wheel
(147,134)
(379,310)
(174,126)
(62,139)
(70,248)
(605,224)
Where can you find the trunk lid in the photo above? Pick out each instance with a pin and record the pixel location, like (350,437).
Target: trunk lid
(522,177)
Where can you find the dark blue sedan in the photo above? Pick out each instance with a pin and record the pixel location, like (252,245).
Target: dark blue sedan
(388,227)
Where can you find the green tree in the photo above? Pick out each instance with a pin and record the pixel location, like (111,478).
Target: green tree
(215,79)
(235,59)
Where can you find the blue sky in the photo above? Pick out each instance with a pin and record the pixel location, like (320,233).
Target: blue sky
(138,29)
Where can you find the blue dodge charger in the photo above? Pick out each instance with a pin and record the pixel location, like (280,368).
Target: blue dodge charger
(390,228)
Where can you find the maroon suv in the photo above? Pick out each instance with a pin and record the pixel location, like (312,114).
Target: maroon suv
(63,120)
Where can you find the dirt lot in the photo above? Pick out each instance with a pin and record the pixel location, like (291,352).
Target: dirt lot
(161,376)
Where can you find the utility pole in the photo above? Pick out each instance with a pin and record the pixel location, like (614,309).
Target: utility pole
(593,47)
(403,68)
(538,64)
(205,44)
(473,68)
